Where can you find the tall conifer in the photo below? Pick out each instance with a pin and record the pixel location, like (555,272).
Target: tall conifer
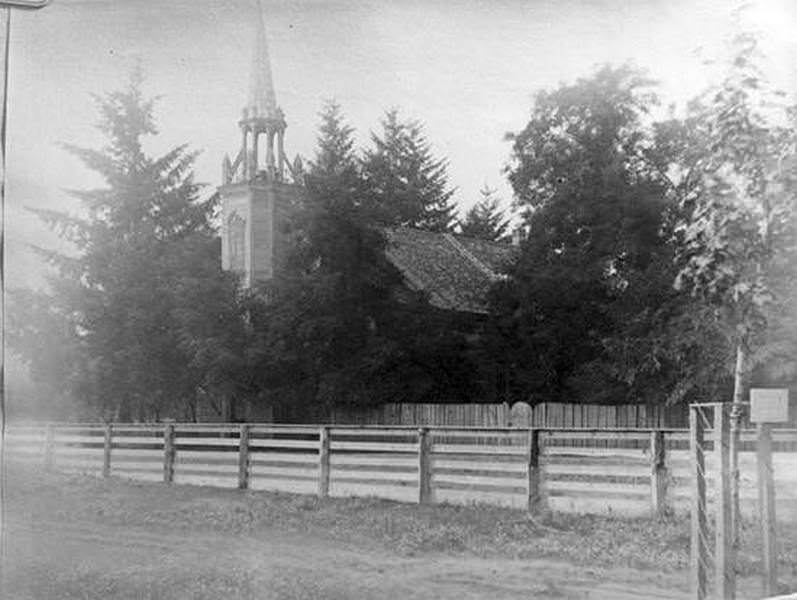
(144,302)
(405,184)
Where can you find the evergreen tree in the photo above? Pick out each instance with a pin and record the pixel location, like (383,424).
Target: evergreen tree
(485,219)
(335,153)
(405,184)
(144,304)
(316,338)
(334,331)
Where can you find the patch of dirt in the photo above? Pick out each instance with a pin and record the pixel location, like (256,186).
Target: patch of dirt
(79,537)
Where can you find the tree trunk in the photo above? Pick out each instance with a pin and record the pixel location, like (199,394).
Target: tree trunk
(737,411)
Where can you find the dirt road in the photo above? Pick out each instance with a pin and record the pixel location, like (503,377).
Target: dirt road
(85,560)
(76,537)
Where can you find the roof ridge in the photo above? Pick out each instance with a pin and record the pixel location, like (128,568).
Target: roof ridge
(470,256)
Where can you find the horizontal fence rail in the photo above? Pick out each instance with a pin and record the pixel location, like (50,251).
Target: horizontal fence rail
(622,471)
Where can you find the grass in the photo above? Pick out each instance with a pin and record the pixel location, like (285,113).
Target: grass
(660,544)
(210,585)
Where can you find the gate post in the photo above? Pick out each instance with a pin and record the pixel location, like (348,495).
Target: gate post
(168,453)
(658,474)
(536,485)
(698,549)
(49,450)
(766,506)
(424,467)
(725,567)
(323,462)
(243,457)
(106,450)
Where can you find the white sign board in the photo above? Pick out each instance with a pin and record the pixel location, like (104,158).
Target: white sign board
(769,405)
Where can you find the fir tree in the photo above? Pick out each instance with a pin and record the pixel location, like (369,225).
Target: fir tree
(405,184)
(485,219)
(334,331)
(144,304)
(316,339)
(335,153)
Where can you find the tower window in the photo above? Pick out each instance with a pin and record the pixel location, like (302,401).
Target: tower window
(236,226)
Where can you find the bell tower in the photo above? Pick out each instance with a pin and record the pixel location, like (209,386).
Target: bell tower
(260,187)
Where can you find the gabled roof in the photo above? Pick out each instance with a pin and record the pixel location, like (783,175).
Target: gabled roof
(455,271)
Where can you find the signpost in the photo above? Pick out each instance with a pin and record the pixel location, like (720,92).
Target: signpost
(767,406)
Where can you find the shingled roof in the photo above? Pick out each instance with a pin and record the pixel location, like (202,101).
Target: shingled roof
(455,271)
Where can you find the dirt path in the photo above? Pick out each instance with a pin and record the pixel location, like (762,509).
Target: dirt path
(75,537)
(85,560)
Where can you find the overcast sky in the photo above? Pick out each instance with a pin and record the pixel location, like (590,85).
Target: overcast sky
(468,69)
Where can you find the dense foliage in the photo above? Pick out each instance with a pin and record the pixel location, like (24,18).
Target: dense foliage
(657,265)
(736,238)
(485,219)
(142,317)
(594,261)
(658,262)
(333,330)
(405,184)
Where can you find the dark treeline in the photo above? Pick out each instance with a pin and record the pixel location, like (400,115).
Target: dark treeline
(656,266)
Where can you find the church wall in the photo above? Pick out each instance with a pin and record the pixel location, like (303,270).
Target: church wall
(236,200)
(287,198)
(262,236)
(267,209)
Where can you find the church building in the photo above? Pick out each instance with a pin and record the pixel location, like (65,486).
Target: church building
(260,187)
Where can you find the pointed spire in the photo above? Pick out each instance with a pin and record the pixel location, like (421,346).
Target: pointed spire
(262,100)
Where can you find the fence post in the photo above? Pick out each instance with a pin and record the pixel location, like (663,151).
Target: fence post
(698,550)
(243,457)
(323,461)
(725,557)
(49,456)
(106,450)
(658,474)
(424,467)
(168,453)
(766,507)
(536,485)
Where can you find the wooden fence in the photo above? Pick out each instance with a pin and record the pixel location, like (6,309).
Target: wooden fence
(520,414)
(625,471)
(547,414)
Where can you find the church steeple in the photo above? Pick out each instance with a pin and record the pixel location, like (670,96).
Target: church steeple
(261,116)
(257,200)
(262,100)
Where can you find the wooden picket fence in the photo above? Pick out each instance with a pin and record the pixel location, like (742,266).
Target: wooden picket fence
(623,471)
(474,414)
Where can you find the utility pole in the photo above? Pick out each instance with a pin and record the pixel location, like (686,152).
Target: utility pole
(5,31)
(5,27)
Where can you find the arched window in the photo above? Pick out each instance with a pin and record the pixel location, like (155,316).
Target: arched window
(236,226)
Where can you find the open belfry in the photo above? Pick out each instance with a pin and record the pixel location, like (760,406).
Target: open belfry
(261,189)
(260,186)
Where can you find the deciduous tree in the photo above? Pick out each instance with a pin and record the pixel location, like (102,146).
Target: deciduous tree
(736,237)
(594,261)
